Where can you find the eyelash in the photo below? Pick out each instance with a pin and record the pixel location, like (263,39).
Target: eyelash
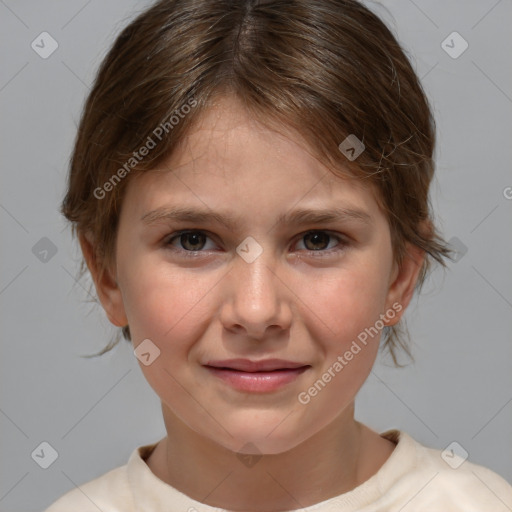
(342,241)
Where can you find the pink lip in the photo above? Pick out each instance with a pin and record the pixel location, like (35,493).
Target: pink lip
(256,376)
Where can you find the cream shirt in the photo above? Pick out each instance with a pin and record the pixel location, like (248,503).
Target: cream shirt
(414,478)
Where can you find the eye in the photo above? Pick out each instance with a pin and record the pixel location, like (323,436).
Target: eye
(190,241)
(321,241)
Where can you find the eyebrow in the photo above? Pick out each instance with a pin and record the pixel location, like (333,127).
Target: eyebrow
(293,218)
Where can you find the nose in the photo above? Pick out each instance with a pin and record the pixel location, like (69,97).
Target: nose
(256,299)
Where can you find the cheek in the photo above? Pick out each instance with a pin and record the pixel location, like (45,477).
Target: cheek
(345,302)
(163,303)
(170,308)
(344,323)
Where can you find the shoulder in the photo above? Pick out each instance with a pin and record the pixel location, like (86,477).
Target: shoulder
(446,479)
(106,493)
(111,492)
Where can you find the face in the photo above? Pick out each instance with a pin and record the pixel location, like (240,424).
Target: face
(251,303)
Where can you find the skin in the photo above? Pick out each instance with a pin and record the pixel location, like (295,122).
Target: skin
(286,304)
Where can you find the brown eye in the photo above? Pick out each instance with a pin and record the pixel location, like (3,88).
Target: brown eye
(321,244)
(316,241)
(188,241)
(192,241)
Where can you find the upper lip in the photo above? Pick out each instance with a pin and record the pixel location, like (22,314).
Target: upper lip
(264,365)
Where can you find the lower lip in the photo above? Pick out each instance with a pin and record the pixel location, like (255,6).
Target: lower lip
(257,382)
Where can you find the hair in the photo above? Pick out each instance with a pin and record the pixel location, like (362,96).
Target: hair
(322,68)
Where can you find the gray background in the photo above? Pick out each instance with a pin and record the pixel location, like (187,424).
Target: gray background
(95,412)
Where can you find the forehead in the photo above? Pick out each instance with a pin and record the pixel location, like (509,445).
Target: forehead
(228,134)
(230,159)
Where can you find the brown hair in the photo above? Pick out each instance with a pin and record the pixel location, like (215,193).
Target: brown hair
(323,68)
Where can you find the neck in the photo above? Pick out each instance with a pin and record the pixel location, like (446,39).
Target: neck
(332,462)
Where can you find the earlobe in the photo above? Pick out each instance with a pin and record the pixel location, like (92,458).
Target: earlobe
(404,281)
(105,283)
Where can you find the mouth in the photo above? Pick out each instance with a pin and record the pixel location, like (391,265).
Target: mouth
(256,376)
(264,365)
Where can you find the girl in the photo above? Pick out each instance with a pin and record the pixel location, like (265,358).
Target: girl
(249,187)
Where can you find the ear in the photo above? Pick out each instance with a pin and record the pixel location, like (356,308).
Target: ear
(106,285)
(403,281)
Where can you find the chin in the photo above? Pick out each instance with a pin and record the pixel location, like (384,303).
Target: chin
(265,437)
